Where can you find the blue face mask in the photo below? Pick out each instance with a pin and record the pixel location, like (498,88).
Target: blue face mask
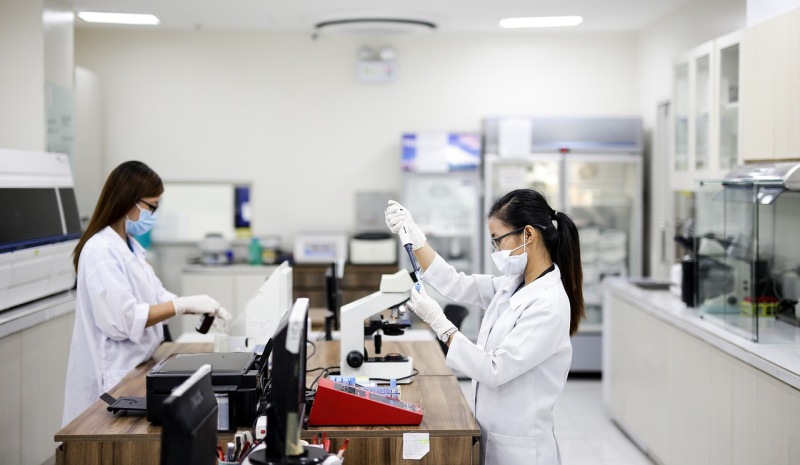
(143,224)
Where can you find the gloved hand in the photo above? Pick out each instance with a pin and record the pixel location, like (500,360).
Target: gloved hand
(222,320)
(431,312)
(198,304)
(397,216)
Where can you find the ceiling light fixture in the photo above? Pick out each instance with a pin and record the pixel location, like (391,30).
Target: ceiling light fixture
(379,26)
(540,21)
(118,18)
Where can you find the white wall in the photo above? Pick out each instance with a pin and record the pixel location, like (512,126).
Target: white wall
(59,25)
(21,75)
(288,112)
(89,161)
(762,10)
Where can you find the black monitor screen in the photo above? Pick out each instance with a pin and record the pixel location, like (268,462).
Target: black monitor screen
(30,215)
(189,435)
(333,292)
(286,396)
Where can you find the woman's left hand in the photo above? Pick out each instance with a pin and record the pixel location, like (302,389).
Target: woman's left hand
(430,311)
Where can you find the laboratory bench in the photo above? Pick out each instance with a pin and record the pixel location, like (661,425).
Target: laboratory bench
(98,437)
(687,390)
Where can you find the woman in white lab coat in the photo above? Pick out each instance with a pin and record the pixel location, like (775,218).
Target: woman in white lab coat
(121,304)
(520,362)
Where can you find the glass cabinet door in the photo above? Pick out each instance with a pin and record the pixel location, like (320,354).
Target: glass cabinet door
(681,111)
(702,109)
(728,101)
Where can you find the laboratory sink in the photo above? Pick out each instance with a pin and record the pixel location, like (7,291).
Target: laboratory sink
(652,286)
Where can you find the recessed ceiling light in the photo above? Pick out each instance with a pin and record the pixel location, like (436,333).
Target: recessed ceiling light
(541,21)
(118,18)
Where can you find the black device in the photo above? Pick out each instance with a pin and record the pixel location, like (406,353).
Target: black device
(286,395)
(234,377)
(204,323)
(333,294)
(189,435)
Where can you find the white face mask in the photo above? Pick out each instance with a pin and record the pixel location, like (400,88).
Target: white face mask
(510,265)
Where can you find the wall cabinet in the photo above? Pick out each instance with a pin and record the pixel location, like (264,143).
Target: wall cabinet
(705,112)
(770,93)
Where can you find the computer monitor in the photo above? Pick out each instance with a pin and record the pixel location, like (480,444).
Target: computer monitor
(287,394)
(189,434)
(333,294)
(265,308)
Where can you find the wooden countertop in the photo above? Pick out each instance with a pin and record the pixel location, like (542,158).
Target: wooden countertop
(435,389)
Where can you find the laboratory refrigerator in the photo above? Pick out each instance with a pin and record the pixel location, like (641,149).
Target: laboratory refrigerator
(591,169)
(441,187)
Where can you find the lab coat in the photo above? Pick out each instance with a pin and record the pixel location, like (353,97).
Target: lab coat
(518,366)
(116,288)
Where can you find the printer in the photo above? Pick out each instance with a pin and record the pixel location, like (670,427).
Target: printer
(237,379)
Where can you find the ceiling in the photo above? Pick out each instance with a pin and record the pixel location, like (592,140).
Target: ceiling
(449,15)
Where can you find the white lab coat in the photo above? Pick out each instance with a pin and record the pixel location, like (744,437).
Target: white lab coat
(518,366)
(116,288)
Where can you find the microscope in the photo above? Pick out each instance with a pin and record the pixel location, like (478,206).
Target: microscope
(394,292)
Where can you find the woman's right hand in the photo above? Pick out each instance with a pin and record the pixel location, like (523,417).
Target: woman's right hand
(397,216)
(200,304)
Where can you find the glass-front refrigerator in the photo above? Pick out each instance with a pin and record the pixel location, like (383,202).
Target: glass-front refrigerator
(590,168)
(441,188)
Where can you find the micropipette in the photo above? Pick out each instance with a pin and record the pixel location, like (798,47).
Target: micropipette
(405,238)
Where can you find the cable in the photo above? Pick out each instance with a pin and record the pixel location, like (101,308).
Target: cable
(325,371)
(416,372)
(314,346)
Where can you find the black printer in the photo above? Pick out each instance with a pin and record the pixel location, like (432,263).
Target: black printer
(237,379)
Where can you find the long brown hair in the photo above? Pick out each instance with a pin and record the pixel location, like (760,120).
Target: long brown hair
(127,184)
(523,207)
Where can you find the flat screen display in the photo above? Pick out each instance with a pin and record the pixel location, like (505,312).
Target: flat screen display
(29,215)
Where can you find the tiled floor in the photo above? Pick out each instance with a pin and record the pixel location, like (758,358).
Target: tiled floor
(586,435)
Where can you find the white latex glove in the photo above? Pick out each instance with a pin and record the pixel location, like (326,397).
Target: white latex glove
(431,312)
(197,304)
(222,321)
(397,216)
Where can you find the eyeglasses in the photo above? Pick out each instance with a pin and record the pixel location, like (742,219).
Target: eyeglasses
(152,207)
(496,240)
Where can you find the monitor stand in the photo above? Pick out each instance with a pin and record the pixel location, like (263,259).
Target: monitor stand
(312,455)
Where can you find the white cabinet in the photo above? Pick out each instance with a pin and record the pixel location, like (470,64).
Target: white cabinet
(705,121)
(687,402)
(33,372)
(232,286)
(770,94)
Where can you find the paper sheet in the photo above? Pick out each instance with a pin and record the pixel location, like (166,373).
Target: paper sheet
(416,445)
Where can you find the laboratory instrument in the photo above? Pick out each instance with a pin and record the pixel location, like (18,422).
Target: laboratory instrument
(338,403)
(235,376)
(40,226)
(394,291)
(405,239)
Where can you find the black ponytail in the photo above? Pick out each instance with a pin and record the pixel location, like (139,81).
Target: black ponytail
(527,207)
